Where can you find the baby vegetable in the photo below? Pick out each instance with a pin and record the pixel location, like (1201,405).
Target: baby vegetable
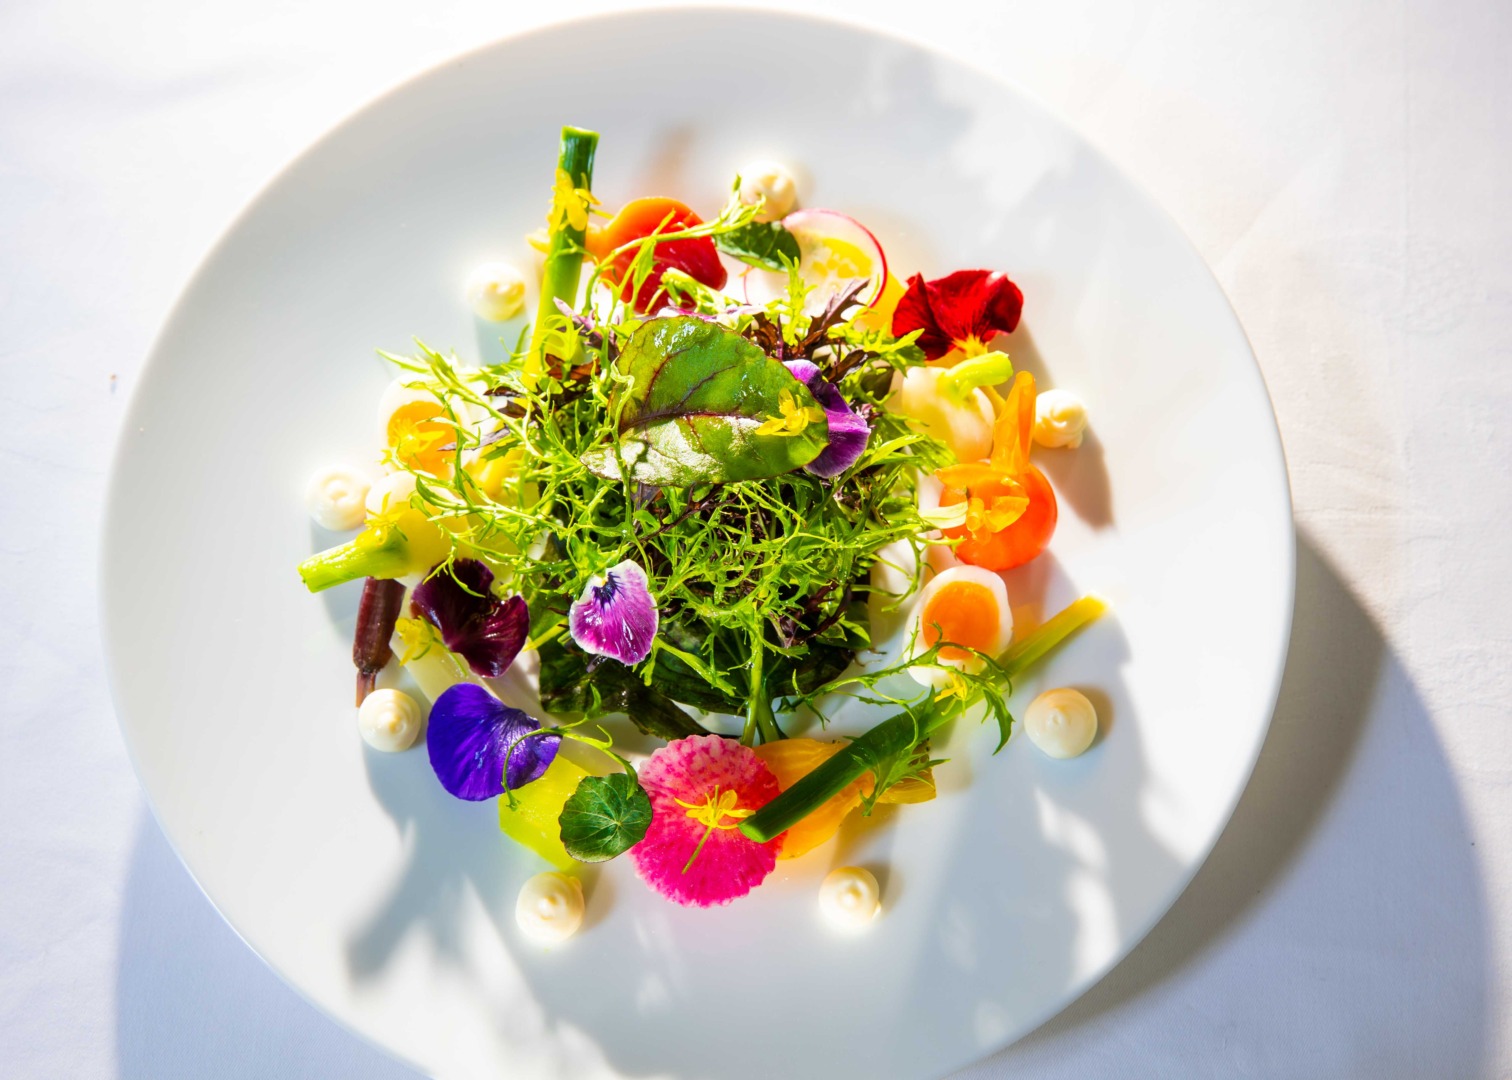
(530,817)
(395,544)
(379,607)
(567,223)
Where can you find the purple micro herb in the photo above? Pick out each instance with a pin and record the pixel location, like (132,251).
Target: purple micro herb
(615,616)
(848,431)
(468,736)
(485,631)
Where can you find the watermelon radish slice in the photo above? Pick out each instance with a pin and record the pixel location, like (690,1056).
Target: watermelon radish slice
(835,250)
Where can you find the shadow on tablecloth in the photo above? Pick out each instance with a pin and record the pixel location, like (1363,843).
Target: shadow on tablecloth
(192,1001)
(1349,859)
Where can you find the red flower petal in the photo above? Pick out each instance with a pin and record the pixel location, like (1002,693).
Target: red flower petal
(950,310)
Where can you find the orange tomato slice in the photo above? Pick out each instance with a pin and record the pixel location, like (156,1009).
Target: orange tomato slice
(638,219)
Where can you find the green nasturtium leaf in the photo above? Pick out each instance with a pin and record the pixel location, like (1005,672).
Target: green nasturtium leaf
(606,816)
(697,394)
(763,244)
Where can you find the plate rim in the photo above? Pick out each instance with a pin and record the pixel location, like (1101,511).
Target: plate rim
(1276,450)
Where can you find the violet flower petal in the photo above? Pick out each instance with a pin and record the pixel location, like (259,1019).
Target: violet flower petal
(469,733)
(848,430)
(615,616)
(486,632)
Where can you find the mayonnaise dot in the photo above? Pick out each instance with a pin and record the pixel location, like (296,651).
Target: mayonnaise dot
(389,492)
(550,908)
(496,291)
(772,180)
(849,897)
(1060,417)
(335,497)
(389,720)
(1061,722)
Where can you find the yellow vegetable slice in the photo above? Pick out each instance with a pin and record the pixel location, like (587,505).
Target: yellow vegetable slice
(533,820)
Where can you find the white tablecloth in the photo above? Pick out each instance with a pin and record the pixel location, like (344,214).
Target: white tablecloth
(1344,167)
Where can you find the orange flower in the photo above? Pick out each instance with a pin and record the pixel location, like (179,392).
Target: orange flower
(1010,507)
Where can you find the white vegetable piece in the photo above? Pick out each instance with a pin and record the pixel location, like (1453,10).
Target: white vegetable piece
(965,427)
(390,492)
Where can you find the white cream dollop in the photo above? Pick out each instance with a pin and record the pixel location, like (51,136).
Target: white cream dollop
(335,497)
(772,180)
(966,427)
(389,492)
(389,720)
(1060,417)
(1061,722)
(496,291)
(849,897)
(550,908)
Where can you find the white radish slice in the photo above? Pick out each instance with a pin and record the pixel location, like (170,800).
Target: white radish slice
(834,252)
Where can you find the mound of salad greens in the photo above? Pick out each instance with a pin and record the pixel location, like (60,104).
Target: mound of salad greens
(738,455)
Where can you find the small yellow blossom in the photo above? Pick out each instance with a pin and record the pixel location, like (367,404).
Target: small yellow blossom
(418,443)
(984,517)
(711,814)
(955,686)
(417,635)
(715,808)
(794,417)
(569,204)
(376,532)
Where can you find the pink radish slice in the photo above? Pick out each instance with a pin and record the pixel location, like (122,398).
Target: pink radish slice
(835,250)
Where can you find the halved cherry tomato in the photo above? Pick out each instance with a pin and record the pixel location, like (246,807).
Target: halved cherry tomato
(639,218)
(1020,541)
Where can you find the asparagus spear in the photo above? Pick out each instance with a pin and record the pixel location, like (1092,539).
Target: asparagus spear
(904,731)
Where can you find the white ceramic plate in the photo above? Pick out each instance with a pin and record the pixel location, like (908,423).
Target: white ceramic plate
(387,902)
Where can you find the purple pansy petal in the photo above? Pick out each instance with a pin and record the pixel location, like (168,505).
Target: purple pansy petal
(849,434)
(615,616)
(486,632)
(468,735)
(802,370)
(848,431)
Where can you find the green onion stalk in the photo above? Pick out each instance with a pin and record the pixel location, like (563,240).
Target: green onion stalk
(391,547)
(901,733)
(564,254)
